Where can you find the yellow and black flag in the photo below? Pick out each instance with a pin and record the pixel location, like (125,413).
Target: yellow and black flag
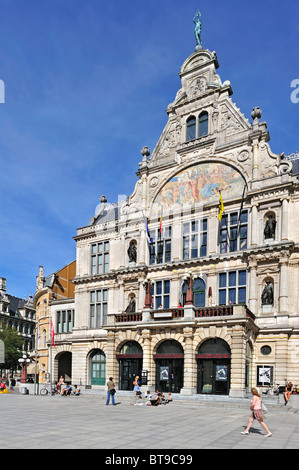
(221,207)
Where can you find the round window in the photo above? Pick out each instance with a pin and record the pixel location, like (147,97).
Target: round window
(266,350)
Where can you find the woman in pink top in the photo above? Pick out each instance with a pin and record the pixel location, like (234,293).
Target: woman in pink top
(257,413)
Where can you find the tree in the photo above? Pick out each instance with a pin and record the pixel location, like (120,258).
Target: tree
(12,346)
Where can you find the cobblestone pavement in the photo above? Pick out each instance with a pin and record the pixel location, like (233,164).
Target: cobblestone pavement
(85,422)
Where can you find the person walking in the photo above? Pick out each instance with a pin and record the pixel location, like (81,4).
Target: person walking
(110,391)
(256,413)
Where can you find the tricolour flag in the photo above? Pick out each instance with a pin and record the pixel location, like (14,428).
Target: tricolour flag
(52,333)
(149,239)
(38,334)
(221,207)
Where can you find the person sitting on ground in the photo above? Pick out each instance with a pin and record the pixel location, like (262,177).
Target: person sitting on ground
(67,390)
(288,392)
(169,398)
(155,401)
(76,390)
(163,399)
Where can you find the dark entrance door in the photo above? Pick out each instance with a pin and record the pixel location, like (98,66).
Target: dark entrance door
(169,374)
(130,364)
(213,376)
(128,369)
(169,367)
(213,367)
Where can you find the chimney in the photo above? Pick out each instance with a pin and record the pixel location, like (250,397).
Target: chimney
(40,278)
(2,285)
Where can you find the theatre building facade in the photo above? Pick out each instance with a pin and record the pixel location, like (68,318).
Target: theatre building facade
(193,296)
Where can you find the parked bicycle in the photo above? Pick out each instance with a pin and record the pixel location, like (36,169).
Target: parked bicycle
(46,390)
(272,391)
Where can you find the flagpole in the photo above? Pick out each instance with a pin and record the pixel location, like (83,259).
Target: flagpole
(35,370)
(50,358)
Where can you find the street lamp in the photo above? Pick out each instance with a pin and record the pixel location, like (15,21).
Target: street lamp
(24,361)
(148,293)
(189,279)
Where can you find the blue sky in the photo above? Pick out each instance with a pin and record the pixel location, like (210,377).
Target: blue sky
(86,87)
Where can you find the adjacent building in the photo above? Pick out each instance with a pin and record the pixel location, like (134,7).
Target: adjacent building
(190,282)
(18,313)
(53,302)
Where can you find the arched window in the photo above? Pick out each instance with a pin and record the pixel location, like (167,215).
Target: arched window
(199,289)
(98,367)
(191,128)
(203,124)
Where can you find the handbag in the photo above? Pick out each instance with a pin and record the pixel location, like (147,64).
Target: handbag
(112,391)
(264,408)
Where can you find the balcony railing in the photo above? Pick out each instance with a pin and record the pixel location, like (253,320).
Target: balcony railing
(220,311)
(128,317)
(178,313)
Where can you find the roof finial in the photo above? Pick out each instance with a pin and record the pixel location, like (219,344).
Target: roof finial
(197,30)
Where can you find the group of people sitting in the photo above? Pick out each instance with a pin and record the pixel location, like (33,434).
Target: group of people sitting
(155,399)
(67,390)
(158,398)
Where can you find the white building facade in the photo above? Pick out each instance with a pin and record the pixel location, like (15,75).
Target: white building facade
(167,289)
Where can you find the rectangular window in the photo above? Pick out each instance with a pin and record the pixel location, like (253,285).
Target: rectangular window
(100,258)
(65,321)
(232,287)
(195,235)
(264,375)
(160,248)
(98,308)
(233,232)
(161,294)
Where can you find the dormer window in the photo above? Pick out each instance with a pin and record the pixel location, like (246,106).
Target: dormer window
(197,128)
(191,128)
(203,124)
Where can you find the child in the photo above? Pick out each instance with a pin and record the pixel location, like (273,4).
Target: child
(148,397)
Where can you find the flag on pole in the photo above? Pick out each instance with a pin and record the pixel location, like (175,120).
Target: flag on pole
(38,334)
(221,207)
(149,239)
(52,333)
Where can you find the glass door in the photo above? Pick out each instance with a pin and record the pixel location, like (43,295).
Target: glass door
(128,370)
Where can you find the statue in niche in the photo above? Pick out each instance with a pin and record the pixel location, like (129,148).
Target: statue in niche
(269,230)
(267,294)
(131,308)
(132,252)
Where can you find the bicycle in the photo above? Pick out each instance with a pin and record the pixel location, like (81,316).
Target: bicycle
(45,391)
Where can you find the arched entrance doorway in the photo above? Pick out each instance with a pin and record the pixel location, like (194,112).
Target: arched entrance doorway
(65,366)
(130,364)
(199,292)
(97,367)
(213,366)
(169,367)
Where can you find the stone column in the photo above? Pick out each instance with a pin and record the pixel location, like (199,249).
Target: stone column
(123,251)
(148,357)
(255,165)
(238,360)
(252,299)
(189,363)
(283,284)
(284,218)
(111,365)
(254,224)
